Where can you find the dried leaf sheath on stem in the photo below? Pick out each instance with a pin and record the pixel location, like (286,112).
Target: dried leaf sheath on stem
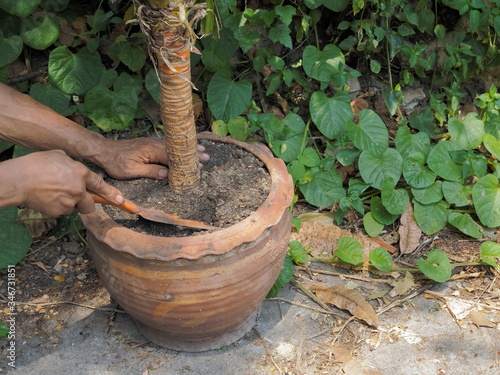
(170,35)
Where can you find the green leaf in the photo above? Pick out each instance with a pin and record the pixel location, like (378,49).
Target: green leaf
(55,5)
(52,97)
(283,137)
(4,145)
(4,331)
(489,251)
(111,110)
(467,133)
(440,161)
(15,240)
(11,49)
(430,194)
(456,193)
(132,55)
(375,66)
(350,251)
(219,127)
(424,121)
(465,224)
(152,84)
(408,144)
(431,218)
(227,98)
(331,114)
(323,65)
(437,267)
(370,133)
(492,145)
(372,226)
(40,35)
(285,276)
(297,252)
(281,33)
(324,189)
(309,157)
(75,73)
(238,128)
(247,38)
(395,201)
(217,52)
(486,198)
(393,99)
(381,259)
(20,8)
(285,13)
(380,213)
(415,173)
(376,168)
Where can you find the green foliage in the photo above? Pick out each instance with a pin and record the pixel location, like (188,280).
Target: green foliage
(15,240)
(285,275)
(437,266)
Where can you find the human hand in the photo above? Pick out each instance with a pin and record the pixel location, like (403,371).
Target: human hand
(54,184)
(138,157)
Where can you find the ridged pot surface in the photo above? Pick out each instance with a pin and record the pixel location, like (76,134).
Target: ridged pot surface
(199,292)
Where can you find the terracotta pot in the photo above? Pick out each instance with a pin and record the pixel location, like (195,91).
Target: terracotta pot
(200,292)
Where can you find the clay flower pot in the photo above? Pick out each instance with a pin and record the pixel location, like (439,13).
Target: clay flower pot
(199,292)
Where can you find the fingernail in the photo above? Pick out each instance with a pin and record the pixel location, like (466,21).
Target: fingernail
(200,148)
(119,199)
(163,173)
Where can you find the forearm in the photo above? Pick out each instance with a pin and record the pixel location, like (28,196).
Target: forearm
(25,122)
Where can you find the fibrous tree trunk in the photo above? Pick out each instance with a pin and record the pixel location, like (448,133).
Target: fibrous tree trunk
(168,26)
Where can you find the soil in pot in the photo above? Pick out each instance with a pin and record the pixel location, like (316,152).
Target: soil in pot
(234,183)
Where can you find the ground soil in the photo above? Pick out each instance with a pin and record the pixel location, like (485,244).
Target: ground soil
(234,183)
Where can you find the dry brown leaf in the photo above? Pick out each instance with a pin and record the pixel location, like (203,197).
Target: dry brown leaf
(41,266)
(409,232)
(480,319)
(321,240)
(346,299)
(403,286)
(35,222)
(324,218)
(348,364)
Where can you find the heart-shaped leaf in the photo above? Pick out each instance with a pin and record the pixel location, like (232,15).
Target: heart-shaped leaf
(53,98)
(394,200)
(75,73)
(370,133)
(331,115)
(227,98)
(441,163)
(372,226)
(349,250)
(489,251)
(376,168)
(492,145)
(323,65)
(456,193)
(40,35)
(416,173)
(465,224)
(381,259)
(380,213)
(430,194)
(283,137)
(11,49)
(20,8)
(431,218)
(15,240)
(437,267)
(324,189)
(408,144)
(486,198)
(467,133)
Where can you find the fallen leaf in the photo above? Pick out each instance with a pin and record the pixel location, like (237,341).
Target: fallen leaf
(323,218)
(346,299)
(348,364)
(402,286)
(480,319)
(59,278)
(321,240)
(409,232)
(41,266)
(36,223)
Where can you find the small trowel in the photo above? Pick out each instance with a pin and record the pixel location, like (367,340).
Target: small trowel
(152,214)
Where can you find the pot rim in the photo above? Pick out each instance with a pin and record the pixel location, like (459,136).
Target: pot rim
(280,196)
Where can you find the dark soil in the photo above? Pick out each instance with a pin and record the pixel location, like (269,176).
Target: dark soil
(234,183)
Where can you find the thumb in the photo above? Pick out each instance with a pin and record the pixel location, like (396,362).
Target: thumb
(96,184)
(154,171)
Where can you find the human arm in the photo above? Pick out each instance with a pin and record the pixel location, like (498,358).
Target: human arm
(26,122)
(52,183)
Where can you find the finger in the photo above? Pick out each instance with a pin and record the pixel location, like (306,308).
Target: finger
(97,185)
(202,155)
(86,205)
(153,171)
